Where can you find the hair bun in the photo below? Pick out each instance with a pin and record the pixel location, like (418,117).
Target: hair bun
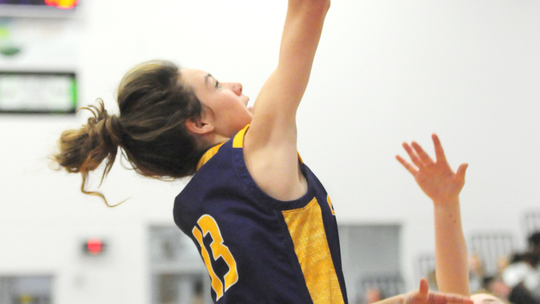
(107,127)
(115,130)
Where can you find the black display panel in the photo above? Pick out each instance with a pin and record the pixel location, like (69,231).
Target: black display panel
(38,92)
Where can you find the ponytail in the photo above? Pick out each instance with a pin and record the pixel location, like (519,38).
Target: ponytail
(84,149)
(150,130)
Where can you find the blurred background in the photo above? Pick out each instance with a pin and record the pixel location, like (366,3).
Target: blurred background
(385,72)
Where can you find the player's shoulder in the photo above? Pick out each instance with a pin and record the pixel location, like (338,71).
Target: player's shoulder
(272,161)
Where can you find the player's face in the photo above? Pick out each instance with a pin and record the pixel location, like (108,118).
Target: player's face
(223,100)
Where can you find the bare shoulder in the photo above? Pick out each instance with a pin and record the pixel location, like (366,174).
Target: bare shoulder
(273,164)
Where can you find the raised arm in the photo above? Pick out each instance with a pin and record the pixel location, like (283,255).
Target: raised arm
(443,186)
(283,91)
(270,146)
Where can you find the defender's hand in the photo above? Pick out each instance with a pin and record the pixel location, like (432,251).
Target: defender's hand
(436,179)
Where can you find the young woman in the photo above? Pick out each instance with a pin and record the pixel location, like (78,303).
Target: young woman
(264,225)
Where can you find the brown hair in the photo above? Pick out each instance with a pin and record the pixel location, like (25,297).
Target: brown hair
(150,129)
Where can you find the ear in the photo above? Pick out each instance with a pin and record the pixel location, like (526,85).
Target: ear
(199,125)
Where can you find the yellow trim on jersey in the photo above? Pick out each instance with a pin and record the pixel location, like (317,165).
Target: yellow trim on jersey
(310,244)
(207,155)
(330,204)
(238,141)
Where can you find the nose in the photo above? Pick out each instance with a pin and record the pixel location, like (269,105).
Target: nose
(236,87)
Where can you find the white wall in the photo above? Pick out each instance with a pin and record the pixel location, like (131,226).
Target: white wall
(386,71)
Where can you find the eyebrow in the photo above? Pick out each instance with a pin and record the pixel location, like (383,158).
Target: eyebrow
(206,78)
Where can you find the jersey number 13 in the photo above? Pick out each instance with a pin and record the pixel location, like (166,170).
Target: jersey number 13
(209,225)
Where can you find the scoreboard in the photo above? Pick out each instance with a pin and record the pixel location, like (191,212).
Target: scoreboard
(62,4)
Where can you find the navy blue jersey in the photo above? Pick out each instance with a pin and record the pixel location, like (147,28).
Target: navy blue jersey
(258,249)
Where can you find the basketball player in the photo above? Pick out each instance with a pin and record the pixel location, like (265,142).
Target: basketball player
(263,223)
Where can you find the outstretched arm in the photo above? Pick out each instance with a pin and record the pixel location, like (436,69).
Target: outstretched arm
(424,296)
(443,186)
(270,148)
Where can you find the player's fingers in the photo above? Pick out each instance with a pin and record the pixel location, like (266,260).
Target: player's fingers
(424,287)
(439,151)
(460,174)
(412,155)
(412,169)
(424,157)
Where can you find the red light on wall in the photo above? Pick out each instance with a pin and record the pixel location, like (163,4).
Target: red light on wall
(63,4)
(94,247)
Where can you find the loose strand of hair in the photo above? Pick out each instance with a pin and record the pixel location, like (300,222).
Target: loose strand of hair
(96,193)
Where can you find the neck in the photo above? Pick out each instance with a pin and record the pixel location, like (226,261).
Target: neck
(207,141)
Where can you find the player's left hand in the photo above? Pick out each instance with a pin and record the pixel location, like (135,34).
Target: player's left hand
(424,296)
(435,178)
